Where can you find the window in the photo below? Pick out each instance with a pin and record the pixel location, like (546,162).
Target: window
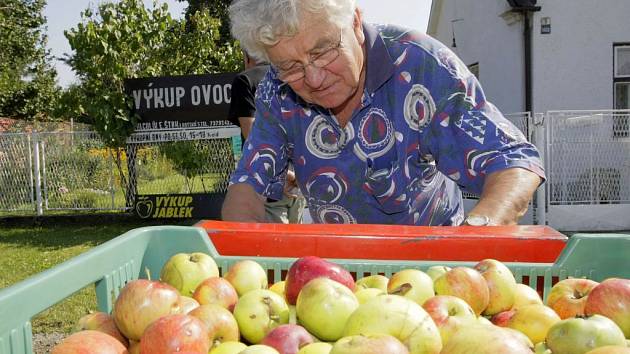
(474,69)
(621,89)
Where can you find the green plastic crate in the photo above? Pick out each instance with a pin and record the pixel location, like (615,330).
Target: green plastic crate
(111,265)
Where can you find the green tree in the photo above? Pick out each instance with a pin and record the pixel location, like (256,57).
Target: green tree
(125,40)
(27,80)
(217,9)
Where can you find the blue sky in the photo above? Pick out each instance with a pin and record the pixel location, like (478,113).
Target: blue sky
(65,14)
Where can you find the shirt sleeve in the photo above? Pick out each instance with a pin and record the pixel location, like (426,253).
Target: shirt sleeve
(468,137)
(265,159)
(242,104)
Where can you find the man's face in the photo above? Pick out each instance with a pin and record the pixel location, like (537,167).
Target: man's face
(333,85)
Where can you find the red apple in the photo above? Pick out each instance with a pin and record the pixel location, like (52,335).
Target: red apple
(102,322)
(501,285)
(450,314)
(216,290)
(247,275)
(140,303)
(89,341)
(467,284)
(532,320)
(288,338)
(187,304)
(611,298)
(581,334)
(369,344)
(568,297)
(220,323)
(307,268)
(175,333)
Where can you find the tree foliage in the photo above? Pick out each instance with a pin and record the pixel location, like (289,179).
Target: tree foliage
(125,40)
(27,80)
(217,9)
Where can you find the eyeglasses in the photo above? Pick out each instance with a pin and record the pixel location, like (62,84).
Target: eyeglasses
(320,61)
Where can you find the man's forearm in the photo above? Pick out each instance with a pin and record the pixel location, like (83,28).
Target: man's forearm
(506,195)
(243,204)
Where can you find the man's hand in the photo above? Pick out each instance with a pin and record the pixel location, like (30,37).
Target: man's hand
(243,204)
(290,185)
(506,195)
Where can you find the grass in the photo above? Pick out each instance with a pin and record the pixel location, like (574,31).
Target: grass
(26,251)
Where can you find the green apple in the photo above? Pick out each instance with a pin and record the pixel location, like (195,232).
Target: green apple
(316,348)
(364,295)
(541,348)
(579,335)
(525,295)
(247,275)
(436,271)
(413,284)
(399,317)
(376,281)
(610,349)
(465,283)
(501,285)
(487,339)
(258,312)
(259,349)
(449,313)
(369,344)
(228,348)
(323,307)
(184,271)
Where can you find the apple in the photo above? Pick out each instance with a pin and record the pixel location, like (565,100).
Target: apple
(467,284)
(247,275)
(307,268)
(374,281)
(449,313)
(501,285)
(220,323)
(89,341)
(102,322)
(369,344)
(568,297)
(187,304)
(278,287)
(175,333)
(134,347)
(259,349)
(610,349)
(399,317)
(532,320)
(288,338)
(541,348)
(231,347)
(316,348)
(258,312)
(611,298)
(436,271)
(140,303)
(216,290)
(323,307)
(484,321)
(184,271)
(364,295)
(413,284)
(580,334)
(484,339)
(524,295)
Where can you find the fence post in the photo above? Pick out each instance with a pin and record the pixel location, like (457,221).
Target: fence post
(38,183)
(541,192)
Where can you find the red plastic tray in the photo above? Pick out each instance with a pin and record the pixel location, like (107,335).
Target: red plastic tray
(537,244)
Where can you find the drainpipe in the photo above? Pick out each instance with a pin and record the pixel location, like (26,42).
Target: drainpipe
(527,10)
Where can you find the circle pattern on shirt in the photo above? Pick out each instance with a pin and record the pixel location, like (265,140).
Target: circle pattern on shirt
(327,185)
(419,107)
(376,134)
(323,141)
(335,214)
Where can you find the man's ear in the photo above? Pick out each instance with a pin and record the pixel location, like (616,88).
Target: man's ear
(357,25)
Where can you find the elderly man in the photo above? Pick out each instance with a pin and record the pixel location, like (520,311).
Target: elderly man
(383,125)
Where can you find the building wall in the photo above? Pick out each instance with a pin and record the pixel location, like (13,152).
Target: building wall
(572,66)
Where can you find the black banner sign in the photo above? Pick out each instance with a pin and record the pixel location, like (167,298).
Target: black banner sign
(179,206)
(180,102)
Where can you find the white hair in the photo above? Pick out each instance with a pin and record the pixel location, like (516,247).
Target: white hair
(259,24)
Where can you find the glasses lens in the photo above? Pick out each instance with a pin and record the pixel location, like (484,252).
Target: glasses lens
(291,75)
(326,58)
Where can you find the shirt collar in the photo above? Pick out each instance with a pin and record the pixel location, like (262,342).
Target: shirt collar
(380,66)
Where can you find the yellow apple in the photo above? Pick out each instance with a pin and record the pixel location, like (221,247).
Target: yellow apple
(532,320)
(524,295)
(375,281)
(501,285)
(228,348)
(316,348)
(413,284)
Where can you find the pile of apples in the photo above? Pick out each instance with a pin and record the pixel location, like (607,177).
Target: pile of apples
(320,309)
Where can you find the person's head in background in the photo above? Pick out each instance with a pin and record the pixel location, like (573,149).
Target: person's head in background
(249,61)
(315,46)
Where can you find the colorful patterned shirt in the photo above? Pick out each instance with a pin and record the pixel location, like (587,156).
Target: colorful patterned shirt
(423,131)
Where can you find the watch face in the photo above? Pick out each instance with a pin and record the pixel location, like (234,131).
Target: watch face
(477,220)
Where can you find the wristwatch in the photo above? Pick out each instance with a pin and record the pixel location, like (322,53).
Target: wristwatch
(477,220)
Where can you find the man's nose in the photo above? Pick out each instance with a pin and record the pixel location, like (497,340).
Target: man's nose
(314,76)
